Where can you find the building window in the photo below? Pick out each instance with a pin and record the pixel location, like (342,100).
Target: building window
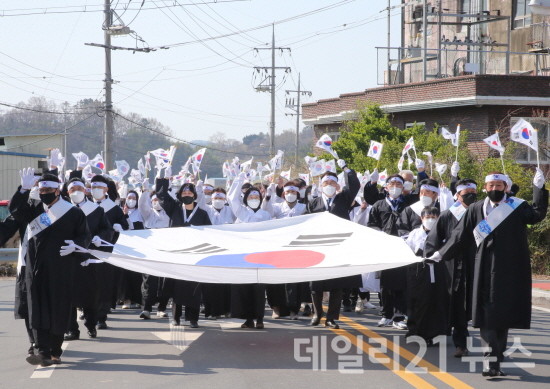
(521,14)
(527,155)
(334,135)
(410,125)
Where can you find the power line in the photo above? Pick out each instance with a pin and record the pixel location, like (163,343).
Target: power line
(43,111)
(185,141)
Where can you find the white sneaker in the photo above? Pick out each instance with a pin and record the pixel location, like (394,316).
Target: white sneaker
(145,315)
(127,304)
(369,305)
(293,316)
(162,314)
(359,306)
(400,325)
(385,322)
(275,315)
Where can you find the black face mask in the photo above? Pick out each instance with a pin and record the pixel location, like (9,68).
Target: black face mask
(495,195)
(48,198)
(187,200)
(469,198)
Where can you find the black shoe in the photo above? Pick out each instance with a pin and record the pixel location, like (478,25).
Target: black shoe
(315,321)
(260,324)
(331,324)
(101,325)
(175,322)
(248,324)
(307,310)
(56,360)
(493,372)
(92,333)
(347,308)
(39,359)
(30,351)
(193,324)
(72,335)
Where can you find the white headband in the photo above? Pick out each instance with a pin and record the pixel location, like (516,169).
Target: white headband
(394,179)
(208,186)
(154,197)
(332,178)
(76,183)
(48,184)
(430,187)
(254,192)
(465,186)
(99,183)
(218,195)
(496,177)
(291,187)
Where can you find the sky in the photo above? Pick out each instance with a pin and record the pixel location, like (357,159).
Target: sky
(202,84)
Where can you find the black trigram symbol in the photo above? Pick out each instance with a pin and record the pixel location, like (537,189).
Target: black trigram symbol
(320,240)
(205,248)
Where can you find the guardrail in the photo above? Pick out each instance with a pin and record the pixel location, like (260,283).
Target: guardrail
(9,255)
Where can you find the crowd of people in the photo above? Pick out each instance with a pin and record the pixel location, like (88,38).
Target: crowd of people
(472,266)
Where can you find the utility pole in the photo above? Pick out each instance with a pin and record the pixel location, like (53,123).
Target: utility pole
(263,88)
(296,108)
(109,127)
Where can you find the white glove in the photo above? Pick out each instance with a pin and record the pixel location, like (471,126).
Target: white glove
(436,257)
(69,249)
(374,176)
(27,178)
(55,158)
(420,164)
(168,172)
(341,163)
(82,161)
(117,227)
(538,180)
(200,186)
(85,263)
(271,189)
(159,170)
(455,168)
(96,241)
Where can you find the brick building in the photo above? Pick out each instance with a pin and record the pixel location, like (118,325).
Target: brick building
(482,64)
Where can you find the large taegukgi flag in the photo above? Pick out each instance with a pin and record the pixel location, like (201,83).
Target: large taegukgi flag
(303,248)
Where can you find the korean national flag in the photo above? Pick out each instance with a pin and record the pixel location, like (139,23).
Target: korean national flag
(375,150)
(523,132)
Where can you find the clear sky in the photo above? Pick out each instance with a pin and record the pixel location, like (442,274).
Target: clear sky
(197,88)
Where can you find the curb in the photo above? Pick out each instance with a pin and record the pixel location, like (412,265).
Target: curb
(541,298)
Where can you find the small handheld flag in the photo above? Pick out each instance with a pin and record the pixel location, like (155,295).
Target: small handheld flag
(375,150)
(325,143)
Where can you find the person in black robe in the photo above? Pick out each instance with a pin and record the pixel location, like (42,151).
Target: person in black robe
(338,204)
(501,296)
(100,187)
(384,216)
(410,218)
(458,269)
(426,299)
(183,212)
(88,282)
(51,259)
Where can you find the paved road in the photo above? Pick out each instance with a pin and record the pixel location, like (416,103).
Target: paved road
(149,354)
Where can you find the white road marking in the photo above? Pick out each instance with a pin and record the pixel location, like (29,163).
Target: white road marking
(46,372)
(541,308)
(178,337)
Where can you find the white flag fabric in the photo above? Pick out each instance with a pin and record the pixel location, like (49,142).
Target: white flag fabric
(196,158)
(382,177)
(409,146)
(330,166)
(441,168)
(493,142)
(456,139)
(122,167)
(163,158)
(81,158)
(286,174)
(523,132)
(98,162)
(325,143)
(141,167)
(304,177)
(375,150)
(317,168)
(245,166)
(303,248)
(400,163)
(277,161)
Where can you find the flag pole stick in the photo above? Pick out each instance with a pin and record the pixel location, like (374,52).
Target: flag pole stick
(502,160)
(538,159)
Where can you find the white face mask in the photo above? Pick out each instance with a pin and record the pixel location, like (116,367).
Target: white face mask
(34,194)
(302,193)
(408,186)
(156,206)
(426,200)
(310,197)
(395,192)
(98,193)
(428,223)
(329,190)
(218,204)
(253,203)
(291,197)
(131,203)
(208,199)
(77,197)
